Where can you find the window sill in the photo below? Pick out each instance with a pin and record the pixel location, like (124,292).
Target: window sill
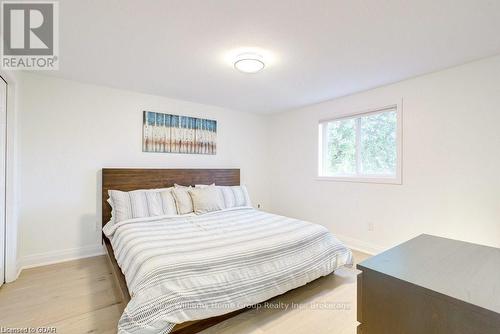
(362,179)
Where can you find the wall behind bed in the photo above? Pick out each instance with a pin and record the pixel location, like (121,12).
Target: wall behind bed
(451,161)
(68,131)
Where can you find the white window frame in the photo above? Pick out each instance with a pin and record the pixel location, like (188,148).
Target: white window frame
(322,139)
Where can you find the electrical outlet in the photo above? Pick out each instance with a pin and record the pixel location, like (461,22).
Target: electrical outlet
(371,226)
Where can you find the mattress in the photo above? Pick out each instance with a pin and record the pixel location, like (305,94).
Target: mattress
(194,267)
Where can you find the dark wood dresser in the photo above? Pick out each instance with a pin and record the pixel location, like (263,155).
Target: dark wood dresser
(430,285)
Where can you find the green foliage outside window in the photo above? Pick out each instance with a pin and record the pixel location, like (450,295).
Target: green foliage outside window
(378,146)
(342,147)
(378,143)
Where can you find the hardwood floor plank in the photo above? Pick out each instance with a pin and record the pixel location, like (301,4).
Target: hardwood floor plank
(103,320)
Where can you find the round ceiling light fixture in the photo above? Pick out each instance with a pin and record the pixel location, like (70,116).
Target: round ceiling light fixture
(249,63)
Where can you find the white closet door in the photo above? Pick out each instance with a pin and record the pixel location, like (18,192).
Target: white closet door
(3,129)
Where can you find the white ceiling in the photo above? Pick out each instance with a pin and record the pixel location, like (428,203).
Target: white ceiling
(322,49)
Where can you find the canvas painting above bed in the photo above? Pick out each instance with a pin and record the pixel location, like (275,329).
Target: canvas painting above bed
(168,133)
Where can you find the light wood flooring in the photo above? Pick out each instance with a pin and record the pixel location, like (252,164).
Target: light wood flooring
(81,297)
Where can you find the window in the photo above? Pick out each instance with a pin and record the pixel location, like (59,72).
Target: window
(362,147)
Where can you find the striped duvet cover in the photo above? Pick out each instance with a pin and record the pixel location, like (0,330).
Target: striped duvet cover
(189,268)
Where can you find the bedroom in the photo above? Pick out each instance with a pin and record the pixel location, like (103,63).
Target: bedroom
(429,70)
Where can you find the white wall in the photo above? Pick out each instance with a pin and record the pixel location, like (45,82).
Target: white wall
(68,131)
(451,161)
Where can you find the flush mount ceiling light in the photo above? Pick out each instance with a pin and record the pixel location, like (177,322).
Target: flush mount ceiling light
(249,63)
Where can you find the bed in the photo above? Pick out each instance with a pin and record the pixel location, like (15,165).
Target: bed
(186,273)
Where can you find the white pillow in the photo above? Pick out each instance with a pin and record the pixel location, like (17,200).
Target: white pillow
(182,200)
(167,202)
(110,202)
(206,199)
(141,203)
(235,196)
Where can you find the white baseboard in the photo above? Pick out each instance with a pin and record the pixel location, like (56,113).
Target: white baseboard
(359,245)
(42,259)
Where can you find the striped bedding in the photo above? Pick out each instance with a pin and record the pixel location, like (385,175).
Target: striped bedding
(194,267)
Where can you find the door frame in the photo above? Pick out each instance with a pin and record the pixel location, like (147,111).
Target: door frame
(3,227)
(11,236)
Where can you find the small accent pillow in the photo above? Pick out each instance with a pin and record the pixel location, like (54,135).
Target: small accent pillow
(206,199)
(141,203)
(183,200)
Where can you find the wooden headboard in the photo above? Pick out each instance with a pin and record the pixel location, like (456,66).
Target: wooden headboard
(128,179)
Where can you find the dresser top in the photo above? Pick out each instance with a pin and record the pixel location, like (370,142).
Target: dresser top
(461,270)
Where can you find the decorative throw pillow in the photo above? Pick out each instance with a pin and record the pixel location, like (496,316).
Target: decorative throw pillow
(183,200)
(206,199)
(141,203)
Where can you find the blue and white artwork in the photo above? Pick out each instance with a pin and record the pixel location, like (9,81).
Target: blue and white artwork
(167,133)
